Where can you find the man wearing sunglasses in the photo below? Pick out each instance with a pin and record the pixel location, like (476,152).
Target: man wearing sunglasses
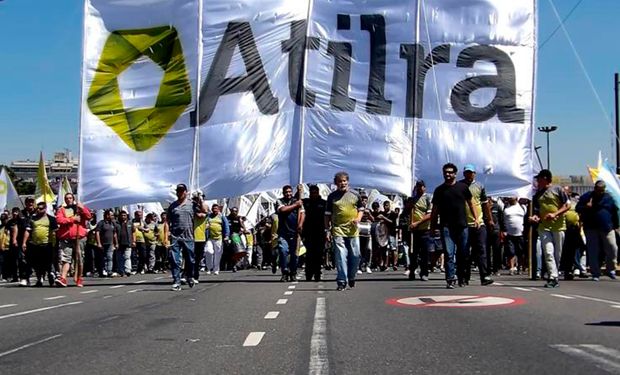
(449,219)
(37,243)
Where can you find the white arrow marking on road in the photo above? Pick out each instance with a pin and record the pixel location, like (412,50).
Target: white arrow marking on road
(39,310)
(272,314)
(29,345)
(319,362)
(53,298)
(288,293)
(282,301)
(562,296)
(254,338)
(9,305)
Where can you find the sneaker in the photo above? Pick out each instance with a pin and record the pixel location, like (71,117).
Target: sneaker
(51,278)
(274,268)
(340,288)
(234,269)
(512,271)
(191,283)
(195,281)
(176,287)
(24,282)
(407,273)
(612,275)
(142,272)
(450,285)
(552,283)
(359,272)
(368,270)
(595,278)
(114,274)
(89,274)
(283,278)
(351,284)
(104,273)
(216,273)
(576,272)
(209,272)
(202,269)
(79,283)
(133,272)
(424,278)
(183,281)
(487,281)
(61,282)
(394,268)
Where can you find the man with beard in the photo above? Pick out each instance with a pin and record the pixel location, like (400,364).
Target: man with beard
(290,218)
(37,244)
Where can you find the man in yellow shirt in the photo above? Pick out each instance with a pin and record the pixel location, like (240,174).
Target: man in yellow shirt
(343,212)
(37,243)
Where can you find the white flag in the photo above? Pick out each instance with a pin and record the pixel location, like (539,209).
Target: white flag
(8,195)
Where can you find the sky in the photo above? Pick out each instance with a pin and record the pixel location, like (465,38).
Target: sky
(41,61)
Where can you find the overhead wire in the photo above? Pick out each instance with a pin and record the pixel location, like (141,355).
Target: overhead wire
(566,17)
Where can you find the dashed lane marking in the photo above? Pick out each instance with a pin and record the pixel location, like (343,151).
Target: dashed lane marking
(522,289)
(498,284)
(140,282)
(159,278)
(253,339)
(289,293)
(272,314)
(538,289)
(562,296)
(616,306)
(9,305)
(89,291)
(29,345)
(319,362)
(602,357)
(134,290)
(117,286)
(53,298)
(292,287)
(282,301)
(106,297)
(596,299)
(39,310)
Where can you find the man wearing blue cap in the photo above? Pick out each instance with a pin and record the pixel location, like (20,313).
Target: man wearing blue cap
(477,232)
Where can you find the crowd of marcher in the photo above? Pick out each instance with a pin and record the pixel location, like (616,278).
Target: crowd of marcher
(454,230)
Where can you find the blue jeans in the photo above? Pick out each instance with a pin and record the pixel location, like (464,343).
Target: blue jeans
(454,241)
(180,247)
(288,247)
(347,253)
(108,253)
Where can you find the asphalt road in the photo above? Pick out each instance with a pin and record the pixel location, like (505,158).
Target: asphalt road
(250,323)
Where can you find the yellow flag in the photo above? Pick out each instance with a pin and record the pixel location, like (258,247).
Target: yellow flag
(43,192)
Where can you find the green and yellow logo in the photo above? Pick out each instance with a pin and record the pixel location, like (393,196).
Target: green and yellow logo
(3,188)
(141,128)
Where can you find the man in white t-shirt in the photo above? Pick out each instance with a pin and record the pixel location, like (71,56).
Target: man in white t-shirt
(514,216)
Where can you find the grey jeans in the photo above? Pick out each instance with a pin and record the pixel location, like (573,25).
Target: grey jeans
(597,240)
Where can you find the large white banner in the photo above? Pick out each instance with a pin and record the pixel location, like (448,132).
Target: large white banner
(235,97)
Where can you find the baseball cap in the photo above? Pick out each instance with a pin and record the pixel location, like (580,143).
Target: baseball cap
(469,168)
(181,187)
(544,173)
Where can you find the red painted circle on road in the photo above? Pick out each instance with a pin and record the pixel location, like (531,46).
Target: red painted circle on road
(459,301)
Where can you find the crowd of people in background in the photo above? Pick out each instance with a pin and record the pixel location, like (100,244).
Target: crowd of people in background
(454,230)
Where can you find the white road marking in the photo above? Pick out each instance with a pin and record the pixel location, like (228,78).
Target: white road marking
(29,345)
(106,297)
(89,291)
(319,363)
(616,306)
(613,353)
(134,290)
(289,293)
(39,310)
(598,360)
(109,318)
(253,339)
(522,289)
(596,299)
(292,287)
(117,286)
(159,278)
(320,292)
(282,301)
(272,314)
(538,289)
(498,284)
(9,305)
(140,282)
(295,282)
(53,298)
(562,296)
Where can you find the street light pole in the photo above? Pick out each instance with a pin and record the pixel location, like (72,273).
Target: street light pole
(548,129)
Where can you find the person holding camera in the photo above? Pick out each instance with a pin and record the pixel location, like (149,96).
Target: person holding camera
(72,221)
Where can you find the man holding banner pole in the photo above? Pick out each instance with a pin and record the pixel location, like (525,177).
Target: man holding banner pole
(72,223)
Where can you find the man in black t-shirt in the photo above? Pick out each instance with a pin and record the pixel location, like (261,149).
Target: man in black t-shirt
(448,217)
(314,233)
(290,223)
